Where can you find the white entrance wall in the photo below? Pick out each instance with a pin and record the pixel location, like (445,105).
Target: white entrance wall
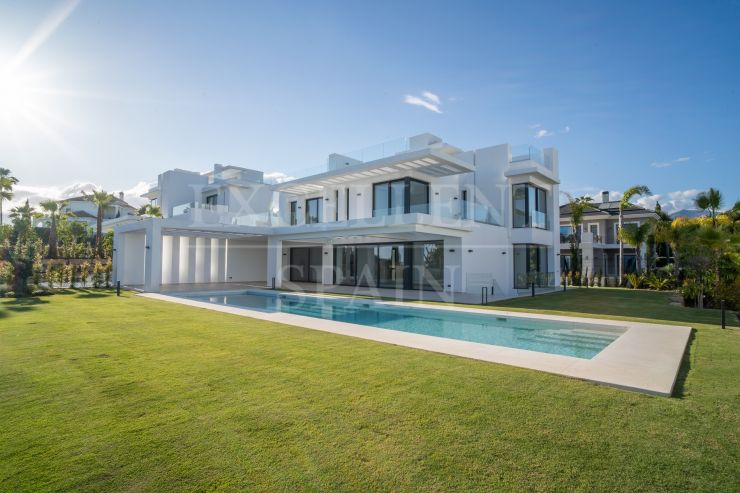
(246,260)
(130,251)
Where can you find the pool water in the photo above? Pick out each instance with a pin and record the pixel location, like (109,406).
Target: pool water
(581,340)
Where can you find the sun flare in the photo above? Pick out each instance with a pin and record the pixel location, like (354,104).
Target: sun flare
(16,93)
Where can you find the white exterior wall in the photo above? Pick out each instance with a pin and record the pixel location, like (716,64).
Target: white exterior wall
(476,254)
(179,187)
(246,260)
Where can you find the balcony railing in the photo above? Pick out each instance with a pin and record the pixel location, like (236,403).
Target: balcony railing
(524,280)
(520,153)
(185,208)
(380,151)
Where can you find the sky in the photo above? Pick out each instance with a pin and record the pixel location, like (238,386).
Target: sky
(110,94)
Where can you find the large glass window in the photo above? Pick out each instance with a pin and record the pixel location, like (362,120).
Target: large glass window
(418,265)
(381,198)
(367,265)
(313,210)
(293,213)
(531,265)
(344,265)
(212,199)
(418,197)
(428,266)
(402,196)
(529,205)
(305,264)
(391,266)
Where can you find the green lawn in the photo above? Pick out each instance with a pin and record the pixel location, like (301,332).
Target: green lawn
(99,393)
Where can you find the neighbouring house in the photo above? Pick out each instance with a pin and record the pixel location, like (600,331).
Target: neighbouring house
(599,243)
(412,214)
(83,209)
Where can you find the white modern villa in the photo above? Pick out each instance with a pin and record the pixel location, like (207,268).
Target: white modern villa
(413,214)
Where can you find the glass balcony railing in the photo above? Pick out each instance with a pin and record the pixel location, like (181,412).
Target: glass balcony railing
(524,280)
(520,153)
(526,153)
(487,214)
(380,151)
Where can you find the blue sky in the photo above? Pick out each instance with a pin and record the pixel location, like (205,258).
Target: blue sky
(116,92)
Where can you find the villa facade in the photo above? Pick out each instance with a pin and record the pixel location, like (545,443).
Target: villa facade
(415,214)
(599,242)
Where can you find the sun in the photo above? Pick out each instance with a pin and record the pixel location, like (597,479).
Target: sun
(16,93)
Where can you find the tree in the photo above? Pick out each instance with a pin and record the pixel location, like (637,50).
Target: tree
(22,253)
(578,207)
(150,210)
(623,203)
(102,199)
(52,210)
(22,214)
(6,188)
(635,236)
(711,201)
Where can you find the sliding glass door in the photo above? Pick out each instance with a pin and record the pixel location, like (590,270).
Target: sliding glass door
(415,265)
(391,266)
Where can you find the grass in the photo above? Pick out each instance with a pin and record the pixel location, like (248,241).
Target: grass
(105,393)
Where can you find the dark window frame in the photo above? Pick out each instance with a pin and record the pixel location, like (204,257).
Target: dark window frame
(530,208)
(318,210)
(346,204)
(336,205)
(293,212)
(408,256)
(406,195)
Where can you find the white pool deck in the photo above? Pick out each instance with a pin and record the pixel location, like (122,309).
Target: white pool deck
(646,358)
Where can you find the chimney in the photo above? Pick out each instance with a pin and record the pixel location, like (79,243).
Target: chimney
(605,196)
(120,195)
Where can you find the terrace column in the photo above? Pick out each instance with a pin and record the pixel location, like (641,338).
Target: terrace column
(153,257)
(274,262)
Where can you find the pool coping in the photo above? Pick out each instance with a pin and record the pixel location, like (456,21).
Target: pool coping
(646,358)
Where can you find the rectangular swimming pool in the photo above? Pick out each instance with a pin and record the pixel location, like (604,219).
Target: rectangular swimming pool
(580,340)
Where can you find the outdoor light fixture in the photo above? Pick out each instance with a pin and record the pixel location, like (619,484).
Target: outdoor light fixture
(470,251)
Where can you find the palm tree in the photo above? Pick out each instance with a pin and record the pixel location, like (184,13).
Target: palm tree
(102,199)
(635,237)
(52,210)
(578,207)
(710,200)
(6,188)
(625,202)
(150,210)
(22,213)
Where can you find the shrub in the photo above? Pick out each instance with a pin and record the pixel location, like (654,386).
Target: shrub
(97,275)
(107,271)
(84,273)
(70,273)
(635,280)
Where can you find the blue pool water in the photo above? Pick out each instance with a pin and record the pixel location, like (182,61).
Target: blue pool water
(581,340)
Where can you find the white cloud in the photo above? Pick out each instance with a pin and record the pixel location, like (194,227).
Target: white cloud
(431,97)
(543,132)
(672,201)
(668,164)
(277,177)
(427,100)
